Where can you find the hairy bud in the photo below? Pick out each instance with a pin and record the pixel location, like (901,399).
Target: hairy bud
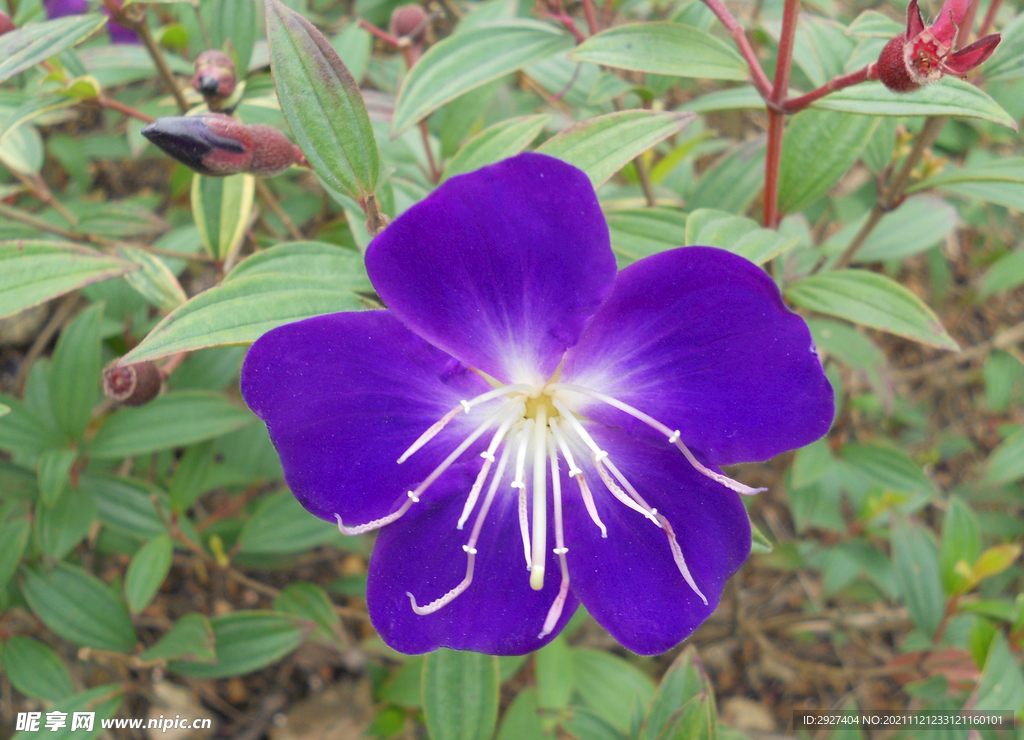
(6,24)
(409,21)
(132,385)
(218,145)
(215,76)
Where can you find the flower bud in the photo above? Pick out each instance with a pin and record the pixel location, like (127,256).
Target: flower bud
(215,75)
(6,24)
(131,385)
(218,145)
(892,69)
(409,21)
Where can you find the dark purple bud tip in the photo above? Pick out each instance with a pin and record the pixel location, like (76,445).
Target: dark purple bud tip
(6,24)
(131,385)
(215,74)
(411,21)
(209,144)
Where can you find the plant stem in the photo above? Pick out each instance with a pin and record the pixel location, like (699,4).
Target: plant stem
(569,23)
(892,194)
(142,29)
(268,197)
(990,17)
(795,105)
(107,102)
(591,15)
(383,35)
(776,118)
(39,189)
(435,172)
(739,36)
(645,181)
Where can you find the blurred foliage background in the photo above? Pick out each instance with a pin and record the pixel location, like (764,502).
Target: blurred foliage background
(152,561)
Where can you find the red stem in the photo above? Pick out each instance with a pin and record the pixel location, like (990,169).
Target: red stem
(569,24)
(382,35)
(990,16)
(760,79)
(120,107)
(607,12)
(776,119)
(795,105)
(591,15)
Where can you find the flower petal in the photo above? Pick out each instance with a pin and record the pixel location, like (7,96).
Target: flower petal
(343,396)
(915,23)
(975,54)
(629,581)
(500,267)
(949,20)
(422,554)
(699,339)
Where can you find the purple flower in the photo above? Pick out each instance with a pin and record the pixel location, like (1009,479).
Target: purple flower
(60,8)
(511,349)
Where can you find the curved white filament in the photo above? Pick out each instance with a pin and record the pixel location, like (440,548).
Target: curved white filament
(620,494)
(376,523)
(524,525)
(677,556)
(555,611)
(514,415)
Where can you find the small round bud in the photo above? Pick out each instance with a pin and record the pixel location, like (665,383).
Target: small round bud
(6,24)
(893,70)
(131,385)
(409,21)
(215,74)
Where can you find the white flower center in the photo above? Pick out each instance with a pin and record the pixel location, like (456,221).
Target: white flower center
(533,425)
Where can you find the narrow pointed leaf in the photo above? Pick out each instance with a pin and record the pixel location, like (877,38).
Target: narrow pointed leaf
(663,48)
(221,207)
(873,300)
(497,142)
(29,45)
(147,570)
(191,638)
(602,146)
(460,695)
(469,59)
(322,103)
(246,641)
(35,670)
(154,281)
(75,371)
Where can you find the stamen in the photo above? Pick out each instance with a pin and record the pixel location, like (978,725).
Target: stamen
(677,555)
(673,435)
(588,501)
(564,447)
(488,455)
(540,515)
(620,495)
(469,548)
(577,427)
(375,524)
(555,612)
(524,524)
(414,495)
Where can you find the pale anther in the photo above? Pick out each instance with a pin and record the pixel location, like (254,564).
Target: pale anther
(560,550)
(600,455)
(573,472)
(674,437)
(465,405)
(414,497)
(487,455)
(470,550)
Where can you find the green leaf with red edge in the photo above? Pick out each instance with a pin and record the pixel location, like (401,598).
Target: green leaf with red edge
(29,45)
(322,103)
(871,299)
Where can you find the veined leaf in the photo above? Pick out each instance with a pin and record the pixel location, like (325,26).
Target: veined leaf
(495,143)
(29,45)
(154,280)
(602,146)
(874,25)
(460,695)
(738,234)
(221,208)
(469,59)
(664,48)
(245,641)
(872,300)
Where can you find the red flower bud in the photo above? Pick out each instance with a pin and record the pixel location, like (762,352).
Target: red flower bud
(215,75)
(6,24)
(411,21)
(218,145)
(132,385)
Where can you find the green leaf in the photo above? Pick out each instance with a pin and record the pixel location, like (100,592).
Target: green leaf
(743,97)
(37,271)
(856,351)
(663,48)
(154,281)
(53,468)
(759,542)
(189,476)
(889,468)
(521,720)
(609,686)
(460,694)
(14,535)
(234,21)
(872,300)
(1008,61)
(917,225)
(948,97)
(504,139)
(555,671)
(602,146)
(1004,376)
(469,59)
(818,148)
(277,286)
(874,25)
(641,232)
(584,723)
(961,540)
(245,642)
(31,44)
(1006,463)
(1002,684)
(321,103)
(191,638)
(1006,273)
(35,670)
(403,687)
(733,181)
(61,527)
(280,525)
(174,419)
(147,570)
(811,463)
(32,109)
(916,561)
(126,505)
(75,371)
(221,207)
(27,433)
(79,607)
(683,681)
(308,601)
(102,701)
(740,235)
